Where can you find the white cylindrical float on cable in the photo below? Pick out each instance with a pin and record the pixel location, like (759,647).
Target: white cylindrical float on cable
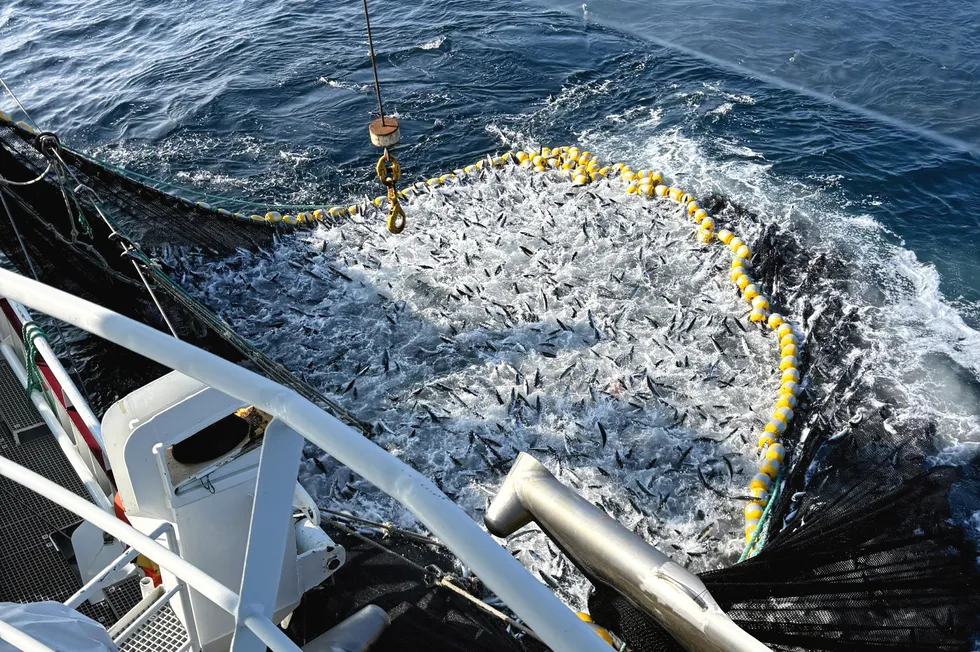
(384,132)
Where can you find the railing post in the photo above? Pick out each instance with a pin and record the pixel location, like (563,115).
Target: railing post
(190,625)
(267,535)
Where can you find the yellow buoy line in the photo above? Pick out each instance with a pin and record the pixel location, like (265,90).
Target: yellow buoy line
(583,168)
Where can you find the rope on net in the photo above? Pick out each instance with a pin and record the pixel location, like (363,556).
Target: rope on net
(582,168)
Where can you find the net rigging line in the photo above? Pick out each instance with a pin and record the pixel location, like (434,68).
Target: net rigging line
(374,65)
(27,257)
(86,197)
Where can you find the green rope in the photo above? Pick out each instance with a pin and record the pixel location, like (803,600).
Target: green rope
(82,220)
(31,332)
(78,215)
(758,539)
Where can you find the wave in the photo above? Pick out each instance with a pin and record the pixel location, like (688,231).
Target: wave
(434,44)
(344,85)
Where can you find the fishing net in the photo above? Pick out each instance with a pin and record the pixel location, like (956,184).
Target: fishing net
(865,548)
(56,234)
(73,248)
(863,551)
(80,227)
(890,573)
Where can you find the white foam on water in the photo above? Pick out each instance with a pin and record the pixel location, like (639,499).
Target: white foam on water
(919,338)
(344,85)
(733,97)
(295,158)
(207,178)
(722,109)
(434,44)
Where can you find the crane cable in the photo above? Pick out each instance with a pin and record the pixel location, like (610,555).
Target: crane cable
(384,133)
(374,65)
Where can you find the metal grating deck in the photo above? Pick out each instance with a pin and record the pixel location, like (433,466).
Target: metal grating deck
(16,409)
(163,632)
(31,567)
(124,595)
(44,457)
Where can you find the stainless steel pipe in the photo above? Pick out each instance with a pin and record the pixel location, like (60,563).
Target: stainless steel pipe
(648,578)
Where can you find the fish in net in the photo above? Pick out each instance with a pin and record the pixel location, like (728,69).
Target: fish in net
(864,550)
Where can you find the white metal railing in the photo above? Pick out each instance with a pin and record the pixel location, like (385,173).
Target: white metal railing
(57,429)
(64,379)
(108,575)
(98,582)
(203,583)
(504,575)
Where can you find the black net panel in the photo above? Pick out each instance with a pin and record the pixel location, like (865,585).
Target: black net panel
(146,215)
(889,574)
(70,247)
(638,630)
(80,228)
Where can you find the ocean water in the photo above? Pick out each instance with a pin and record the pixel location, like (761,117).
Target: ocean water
(854,127)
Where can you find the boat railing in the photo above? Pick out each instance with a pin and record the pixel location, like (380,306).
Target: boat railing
(295,419)
(54,397)
(61,376)
(156,599)
(106,575)
(58,430)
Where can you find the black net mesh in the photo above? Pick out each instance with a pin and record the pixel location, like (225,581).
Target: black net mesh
(146,214)
(890,573)
(637,629)
(423,618)
(70,248)
(82,227)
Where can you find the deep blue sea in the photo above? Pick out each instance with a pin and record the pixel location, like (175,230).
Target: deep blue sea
(856,122)
(861,111)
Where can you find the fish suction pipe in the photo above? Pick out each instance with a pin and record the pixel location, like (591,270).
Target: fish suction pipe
(356,634)
(610,553)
